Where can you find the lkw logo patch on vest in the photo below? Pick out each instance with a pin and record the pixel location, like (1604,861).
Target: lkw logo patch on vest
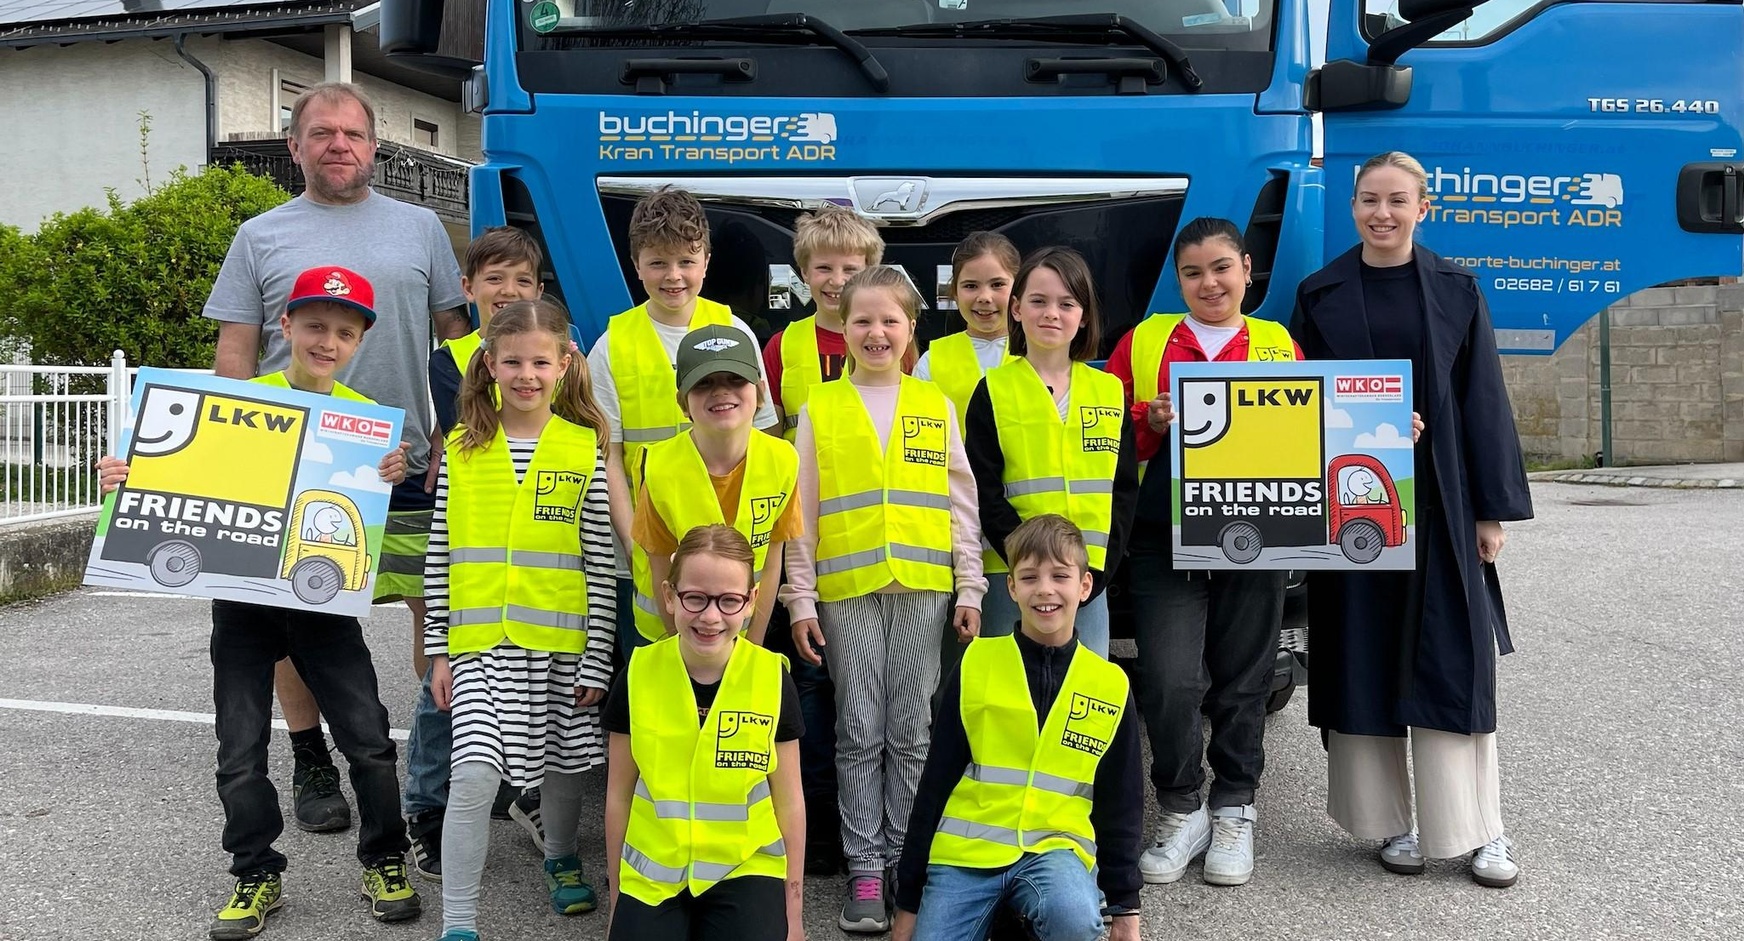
(1090,725)
(923,440)
(557,496)
(763,519)
(1101,427)
(744,740)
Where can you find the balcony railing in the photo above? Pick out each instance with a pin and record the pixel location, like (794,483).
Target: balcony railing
(401,171)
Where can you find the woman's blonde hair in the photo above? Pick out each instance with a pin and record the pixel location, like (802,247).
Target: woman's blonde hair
(573,399)
(716,539)
(1399,160)
(890,279)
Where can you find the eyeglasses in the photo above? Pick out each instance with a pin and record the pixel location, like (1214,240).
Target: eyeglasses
(696,602)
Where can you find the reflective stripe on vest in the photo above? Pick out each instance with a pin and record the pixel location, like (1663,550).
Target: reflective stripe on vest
(1026,791)
(1267,341)
(957,370)
(1053,466)
(679,487)
(702,810)
(515,564)
(883,514)
(801,368)
(645,375)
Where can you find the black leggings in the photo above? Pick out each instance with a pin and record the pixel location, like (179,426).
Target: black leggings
(747,908)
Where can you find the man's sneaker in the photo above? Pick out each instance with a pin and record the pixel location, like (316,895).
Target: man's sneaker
(569,894)
(1493,864)
(1400,855)
(1230,859)
(257,895)
(1181,838)
(389,893)
(525,811)
(865,911)
(320,808)
(425,832)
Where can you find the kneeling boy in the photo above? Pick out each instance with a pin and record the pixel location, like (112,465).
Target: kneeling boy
(1026,801)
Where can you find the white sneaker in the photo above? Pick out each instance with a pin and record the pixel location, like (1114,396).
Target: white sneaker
(1181,838)
(1493,864)
(1400,855)
(1230,860)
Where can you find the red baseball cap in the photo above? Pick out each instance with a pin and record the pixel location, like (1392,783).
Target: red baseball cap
(334,285)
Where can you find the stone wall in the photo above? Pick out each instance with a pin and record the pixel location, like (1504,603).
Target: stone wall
(1677,382)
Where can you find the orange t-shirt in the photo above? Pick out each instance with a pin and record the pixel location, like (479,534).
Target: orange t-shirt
(651,532)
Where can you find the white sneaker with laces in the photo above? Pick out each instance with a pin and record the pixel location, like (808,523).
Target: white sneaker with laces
(1230,860)
(1181,838)
(1493,864)
(1400,855)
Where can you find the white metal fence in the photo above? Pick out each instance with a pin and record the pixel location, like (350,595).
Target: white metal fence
(55,421)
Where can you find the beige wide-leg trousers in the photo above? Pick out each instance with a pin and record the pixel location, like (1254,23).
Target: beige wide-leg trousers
(1458,789)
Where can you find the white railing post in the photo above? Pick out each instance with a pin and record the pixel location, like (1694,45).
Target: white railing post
(120,399)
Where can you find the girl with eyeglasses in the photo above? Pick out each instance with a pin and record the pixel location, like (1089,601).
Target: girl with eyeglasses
(705,821)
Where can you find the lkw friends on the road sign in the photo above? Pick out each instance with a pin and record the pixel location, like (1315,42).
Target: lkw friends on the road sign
(1294,465)
(248,492)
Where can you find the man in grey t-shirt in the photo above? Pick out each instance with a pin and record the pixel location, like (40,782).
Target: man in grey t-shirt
(405,253)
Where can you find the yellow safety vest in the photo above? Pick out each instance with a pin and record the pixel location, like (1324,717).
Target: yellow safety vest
(1024,791)
(702,812)
(514,550)
(957,371)
(883,515)
(1267,341)
(679,487)
(461,349)
(646,379)
(800,370)
(1054,466)
(278,380)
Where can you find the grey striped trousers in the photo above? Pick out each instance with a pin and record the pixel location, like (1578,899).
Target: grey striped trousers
(883,653)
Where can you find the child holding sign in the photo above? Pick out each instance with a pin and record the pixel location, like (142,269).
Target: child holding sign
(324,322)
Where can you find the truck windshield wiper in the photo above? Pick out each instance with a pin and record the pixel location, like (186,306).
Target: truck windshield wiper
(775,27)
(1091,26)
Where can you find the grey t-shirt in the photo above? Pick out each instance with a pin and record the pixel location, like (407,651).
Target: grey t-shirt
(404,252)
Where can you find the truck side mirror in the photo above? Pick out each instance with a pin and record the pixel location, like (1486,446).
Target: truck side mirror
(411,27)
(442,37)
(1381,83)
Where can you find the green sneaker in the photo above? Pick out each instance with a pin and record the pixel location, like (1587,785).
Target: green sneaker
(389,892)
(569,894)
(257,895)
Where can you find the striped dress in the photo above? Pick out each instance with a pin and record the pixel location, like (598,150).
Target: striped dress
(516,708)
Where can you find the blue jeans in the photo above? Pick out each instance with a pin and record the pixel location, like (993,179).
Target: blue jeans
(1051,892)
(427,755)
(628,636)
(999,615)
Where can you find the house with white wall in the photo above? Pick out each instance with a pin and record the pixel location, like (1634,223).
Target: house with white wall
(217,78)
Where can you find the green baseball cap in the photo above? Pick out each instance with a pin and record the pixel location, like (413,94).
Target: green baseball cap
(709,350)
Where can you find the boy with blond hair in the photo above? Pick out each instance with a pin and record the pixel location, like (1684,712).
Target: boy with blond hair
(1026,803)
(830,246)
(634,366)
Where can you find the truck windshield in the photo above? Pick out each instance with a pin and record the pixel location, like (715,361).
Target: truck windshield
(1244,25)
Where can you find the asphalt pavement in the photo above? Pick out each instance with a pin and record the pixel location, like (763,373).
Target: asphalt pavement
(1622,742)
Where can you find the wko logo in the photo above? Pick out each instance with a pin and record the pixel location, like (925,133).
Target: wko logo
(354,428)
(1368,388)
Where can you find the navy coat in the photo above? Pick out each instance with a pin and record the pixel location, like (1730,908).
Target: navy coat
(1389,650)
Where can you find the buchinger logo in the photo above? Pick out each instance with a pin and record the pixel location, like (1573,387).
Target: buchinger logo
(1368,388)
(354,428)
(811,127)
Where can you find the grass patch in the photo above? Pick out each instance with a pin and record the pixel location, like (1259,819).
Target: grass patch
(33,483)
(1560,464)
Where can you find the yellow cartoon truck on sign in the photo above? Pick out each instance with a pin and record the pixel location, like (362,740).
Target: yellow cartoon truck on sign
(210,490)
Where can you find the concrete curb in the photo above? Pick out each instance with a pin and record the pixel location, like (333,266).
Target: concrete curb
(1619,480)
(42,558)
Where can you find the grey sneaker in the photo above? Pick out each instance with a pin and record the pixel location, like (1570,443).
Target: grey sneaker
(866,911)
(1400,855)
(1181,838)
(1493,864)
(1230,860)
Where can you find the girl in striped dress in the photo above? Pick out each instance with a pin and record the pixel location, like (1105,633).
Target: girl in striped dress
(519,580)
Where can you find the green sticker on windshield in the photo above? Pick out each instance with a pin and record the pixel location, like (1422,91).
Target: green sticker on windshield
(545,16)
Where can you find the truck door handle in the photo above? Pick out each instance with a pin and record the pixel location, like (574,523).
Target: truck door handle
(1710,197)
